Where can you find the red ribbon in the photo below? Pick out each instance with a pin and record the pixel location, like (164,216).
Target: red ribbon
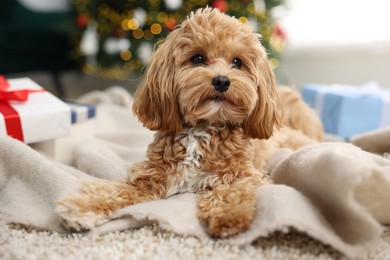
(17,95)
(3,83)
(11,116)
(12,121)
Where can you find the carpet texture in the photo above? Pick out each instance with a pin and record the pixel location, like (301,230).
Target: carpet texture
(151,242)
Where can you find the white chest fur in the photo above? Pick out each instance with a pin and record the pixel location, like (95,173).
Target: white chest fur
(190,177)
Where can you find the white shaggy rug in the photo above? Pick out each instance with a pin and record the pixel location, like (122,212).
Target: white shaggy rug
(150,242)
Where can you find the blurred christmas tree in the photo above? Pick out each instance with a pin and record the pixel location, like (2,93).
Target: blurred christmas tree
(116,37)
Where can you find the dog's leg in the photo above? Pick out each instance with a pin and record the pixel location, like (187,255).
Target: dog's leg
(99,199)
(228,209)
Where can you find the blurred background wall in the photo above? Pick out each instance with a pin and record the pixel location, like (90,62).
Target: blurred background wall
(336,41)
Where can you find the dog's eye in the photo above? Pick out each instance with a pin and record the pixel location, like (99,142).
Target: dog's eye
(237,62)
(197,59)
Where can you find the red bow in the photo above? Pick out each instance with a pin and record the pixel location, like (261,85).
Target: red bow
(11,116)
(3,83)
(17,95)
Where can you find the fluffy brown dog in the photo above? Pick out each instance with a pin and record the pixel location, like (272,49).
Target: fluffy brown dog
(208,91)
(300,127)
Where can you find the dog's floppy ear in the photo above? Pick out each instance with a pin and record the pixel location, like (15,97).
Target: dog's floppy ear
(155,101)
(267,114)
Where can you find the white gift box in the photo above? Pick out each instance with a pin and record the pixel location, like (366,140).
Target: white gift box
(42,117)
(83,128)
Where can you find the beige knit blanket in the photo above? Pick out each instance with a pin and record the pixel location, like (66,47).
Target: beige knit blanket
(335,193)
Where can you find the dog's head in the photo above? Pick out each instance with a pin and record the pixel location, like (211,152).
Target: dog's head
(210,70)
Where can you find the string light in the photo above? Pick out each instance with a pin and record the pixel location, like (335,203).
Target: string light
(162,17)
(125,55)
(138,34)
(156,28)
(125,24)
(243,19)
(148,35)
(133,24)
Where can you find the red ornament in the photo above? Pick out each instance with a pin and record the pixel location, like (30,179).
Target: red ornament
(170,24)
(280,33)
(222,5)
(82,20)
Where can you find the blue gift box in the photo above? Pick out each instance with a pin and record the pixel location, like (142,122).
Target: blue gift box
(346,110)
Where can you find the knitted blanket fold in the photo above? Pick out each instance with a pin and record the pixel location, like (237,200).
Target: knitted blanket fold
(333,192)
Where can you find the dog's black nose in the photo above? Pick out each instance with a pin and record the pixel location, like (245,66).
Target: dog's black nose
(221,83)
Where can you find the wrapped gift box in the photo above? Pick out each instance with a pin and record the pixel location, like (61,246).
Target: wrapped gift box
(83,128)
(41,117)
(349,110)
(81,112)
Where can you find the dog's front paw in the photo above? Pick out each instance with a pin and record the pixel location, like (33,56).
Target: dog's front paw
(227,225)
(223,220)
(227,210)
(76,218)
